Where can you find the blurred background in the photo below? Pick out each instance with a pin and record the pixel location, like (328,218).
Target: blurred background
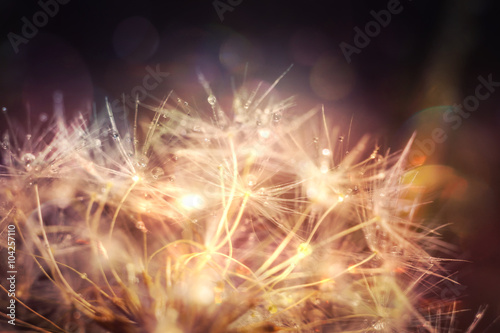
(392,67)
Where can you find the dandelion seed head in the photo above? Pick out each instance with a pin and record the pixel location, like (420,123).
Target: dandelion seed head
(249,219)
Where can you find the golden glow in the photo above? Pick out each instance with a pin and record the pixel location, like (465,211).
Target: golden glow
(192,201)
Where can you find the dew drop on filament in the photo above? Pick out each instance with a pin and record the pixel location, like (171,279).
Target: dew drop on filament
(157,172)
(276,117)
(212,100)
(251,180)
(114,135)
(141,226)
(142,161)
(27,159)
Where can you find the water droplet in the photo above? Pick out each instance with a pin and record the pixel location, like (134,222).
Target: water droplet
(5,142)
(28,159)
(157,172)
(341,138)
(277,117)
(206,141)
(28,137)
(4,109)
(325,152)
(315,139)
(431,261)
(141,226)
(43,117)
(251,180)
(54,168)
(175,158)
(97,143)
(171,179)
(396,251)
(379,325)
(262,191)
(258,123)
(83,276)
(142,161)
(197,128)
(211,100)
(114,135)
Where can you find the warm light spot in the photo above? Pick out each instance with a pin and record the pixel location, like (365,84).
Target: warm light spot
(341,198)
(192,201)
(202,293)
(103,250)
(264,133)
(399,270)
(144,206)
(325,152)
(304,250)
(136,178)
(82,242)
(272,308)
(324,168)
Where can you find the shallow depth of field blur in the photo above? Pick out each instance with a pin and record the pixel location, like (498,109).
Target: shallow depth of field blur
(430,56)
